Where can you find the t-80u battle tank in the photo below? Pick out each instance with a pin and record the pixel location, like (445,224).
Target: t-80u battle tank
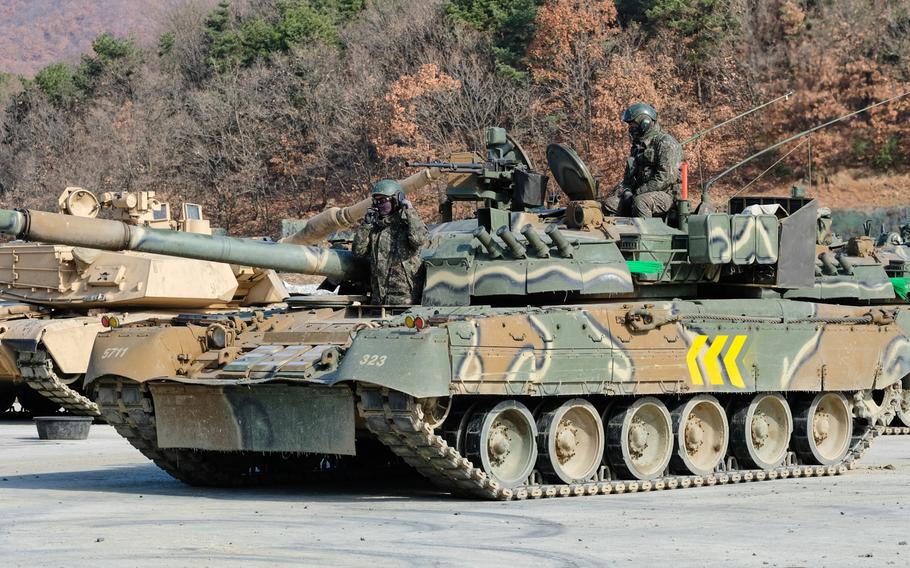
(555,352)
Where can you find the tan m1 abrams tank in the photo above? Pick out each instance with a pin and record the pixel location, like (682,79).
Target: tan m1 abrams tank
(554,352)
(58,297)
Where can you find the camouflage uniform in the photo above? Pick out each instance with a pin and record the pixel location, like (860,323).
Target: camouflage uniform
(652,177)
(392,245)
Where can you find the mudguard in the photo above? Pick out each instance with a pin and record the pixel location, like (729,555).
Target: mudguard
(143,356)
(416,363)
(66,339)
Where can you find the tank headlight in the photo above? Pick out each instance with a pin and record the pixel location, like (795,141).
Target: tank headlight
(217,336)
(409,322)
(113,322)
(105,321)
(419,323)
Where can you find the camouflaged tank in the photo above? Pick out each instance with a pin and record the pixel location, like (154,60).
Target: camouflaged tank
(555,352)
(56,298)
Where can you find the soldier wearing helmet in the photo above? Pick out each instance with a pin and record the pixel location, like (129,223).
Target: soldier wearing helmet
(652,176)
(390,238)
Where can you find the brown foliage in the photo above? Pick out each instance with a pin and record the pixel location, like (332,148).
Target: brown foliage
(294,133)
(399,135)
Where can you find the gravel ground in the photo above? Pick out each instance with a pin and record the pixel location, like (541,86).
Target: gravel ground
(100,503)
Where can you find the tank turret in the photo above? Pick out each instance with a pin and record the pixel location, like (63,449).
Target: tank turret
(59,275)
(515,250)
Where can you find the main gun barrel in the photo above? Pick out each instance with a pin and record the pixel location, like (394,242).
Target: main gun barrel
(334,219)
(336,264)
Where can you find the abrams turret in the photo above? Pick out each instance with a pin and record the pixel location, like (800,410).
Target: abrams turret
(555,351)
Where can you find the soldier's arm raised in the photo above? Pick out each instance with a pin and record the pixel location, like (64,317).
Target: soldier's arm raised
(669,160)
(417,230)
(361,245)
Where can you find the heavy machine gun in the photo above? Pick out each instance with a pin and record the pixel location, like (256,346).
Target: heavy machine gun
(504,179)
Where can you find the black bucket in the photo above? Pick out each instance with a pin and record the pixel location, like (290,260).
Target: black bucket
(63,427)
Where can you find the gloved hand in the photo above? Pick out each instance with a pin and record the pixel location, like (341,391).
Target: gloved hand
(403,201)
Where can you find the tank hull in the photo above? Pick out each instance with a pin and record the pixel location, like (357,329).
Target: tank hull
(322,382)
(46,358)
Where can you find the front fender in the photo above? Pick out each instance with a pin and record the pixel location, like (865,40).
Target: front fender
(142,353)
(416,363)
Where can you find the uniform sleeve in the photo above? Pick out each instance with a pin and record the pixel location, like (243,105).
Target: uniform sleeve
(628,177)
(669,160)
(361,246)
(417,230)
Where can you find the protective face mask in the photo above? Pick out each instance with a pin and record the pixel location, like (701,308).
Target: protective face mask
(385,208)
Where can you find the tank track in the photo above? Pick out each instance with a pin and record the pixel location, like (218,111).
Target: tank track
(397,420)
(128,407)
(37,370)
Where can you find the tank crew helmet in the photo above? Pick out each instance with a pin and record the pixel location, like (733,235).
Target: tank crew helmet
(640,117)
(385,196)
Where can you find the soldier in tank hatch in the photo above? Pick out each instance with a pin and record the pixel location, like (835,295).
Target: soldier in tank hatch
(390,238)
(652,179)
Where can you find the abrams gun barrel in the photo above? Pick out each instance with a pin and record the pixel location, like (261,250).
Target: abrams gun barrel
(337,265)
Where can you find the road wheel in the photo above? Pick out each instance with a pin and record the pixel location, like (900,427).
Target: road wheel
(761,432)
(640,439)
(502,439)
(903,406)
(571,441)
(823,428)
(879,406)
(435,410)
(702,435)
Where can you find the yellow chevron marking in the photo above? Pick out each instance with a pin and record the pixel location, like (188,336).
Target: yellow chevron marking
(692,359)
(730,361)
(712,360)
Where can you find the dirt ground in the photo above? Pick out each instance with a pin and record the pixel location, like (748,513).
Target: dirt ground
(100,503)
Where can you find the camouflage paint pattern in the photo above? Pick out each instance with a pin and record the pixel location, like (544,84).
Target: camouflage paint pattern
(460,269)
(754,239)
(603,337)
(616,349)
(600,349)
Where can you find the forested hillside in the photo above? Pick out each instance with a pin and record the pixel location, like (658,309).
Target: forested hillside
(35,33)
(270,109)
